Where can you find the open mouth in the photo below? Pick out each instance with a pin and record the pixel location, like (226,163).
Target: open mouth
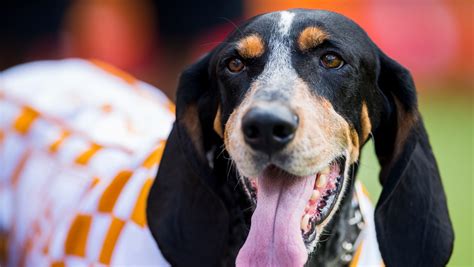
(288,209)
(327,185)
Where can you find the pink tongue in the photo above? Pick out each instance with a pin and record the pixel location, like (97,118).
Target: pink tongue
(275,234)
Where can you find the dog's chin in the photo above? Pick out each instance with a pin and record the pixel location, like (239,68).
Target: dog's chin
(315,196)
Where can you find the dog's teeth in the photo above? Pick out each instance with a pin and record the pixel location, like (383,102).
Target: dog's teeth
(315,187)
(325,171)
(315,195)
(254,183)
(322,204)
(305,223)
(322,181)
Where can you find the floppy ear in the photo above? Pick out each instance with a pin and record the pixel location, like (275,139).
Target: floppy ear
(186,216)
(412,221)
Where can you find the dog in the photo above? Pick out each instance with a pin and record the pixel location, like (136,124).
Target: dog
(264,151)
(258,169)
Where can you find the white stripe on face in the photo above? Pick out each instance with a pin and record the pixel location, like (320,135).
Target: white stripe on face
(286,19)
(278,75)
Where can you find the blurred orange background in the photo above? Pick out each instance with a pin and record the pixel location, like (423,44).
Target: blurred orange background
(433,38)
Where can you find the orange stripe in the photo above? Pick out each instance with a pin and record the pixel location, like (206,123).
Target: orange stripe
(23,122)
(172,107)
(94,182)
(58,264)
(56,144)
(27,245)
(355,261)
(155,157)
(77,237)
(364,190)
(115,71)
(19,168)
(2,136)
(110,240)
(138,214)
(129,126)
(65,125)
(36,228)
(84,158)
(3,246)
(46,248)
(112,192)
(106,108)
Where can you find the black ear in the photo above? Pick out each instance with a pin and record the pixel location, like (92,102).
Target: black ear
(412,221)
(186,216)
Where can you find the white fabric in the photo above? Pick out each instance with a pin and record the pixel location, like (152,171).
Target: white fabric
(368,248)
(43,192)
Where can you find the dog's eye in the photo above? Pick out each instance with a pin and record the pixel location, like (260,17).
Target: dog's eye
(235,65)
(331,61)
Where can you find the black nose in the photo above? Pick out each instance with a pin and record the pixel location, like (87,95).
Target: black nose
(269,129)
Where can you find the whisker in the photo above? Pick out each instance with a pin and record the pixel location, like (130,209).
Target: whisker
(229,167)
(247,209)
(372,135)
(326,234)
(239,180)
(352,174)
(213,43)
(222,151)
(232,23)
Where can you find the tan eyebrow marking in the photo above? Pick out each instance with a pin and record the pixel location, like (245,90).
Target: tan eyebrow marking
(365,122)
(355,145)
(217,123)
(311,37)
(251,46)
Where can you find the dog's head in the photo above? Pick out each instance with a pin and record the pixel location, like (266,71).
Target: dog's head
(292,96)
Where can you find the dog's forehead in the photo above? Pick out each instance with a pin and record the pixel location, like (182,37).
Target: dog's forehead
(292,22)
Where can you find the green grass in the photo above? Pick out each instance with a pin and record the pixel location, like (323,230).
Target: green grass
(449,121)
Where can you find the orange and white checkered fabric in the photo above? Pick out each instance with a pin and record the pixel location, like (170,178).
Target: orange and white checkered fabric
(80,144)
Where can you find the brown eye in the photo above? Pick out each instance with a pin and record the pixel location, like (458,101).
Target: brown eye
(331,61)
(235,65)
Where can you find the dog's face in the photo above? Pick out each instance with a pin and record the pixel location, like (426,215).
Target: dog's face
(292,96)
(293,87)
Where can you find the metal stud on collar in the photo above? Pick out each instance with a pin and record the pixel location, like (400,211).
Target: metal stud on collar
(355,225)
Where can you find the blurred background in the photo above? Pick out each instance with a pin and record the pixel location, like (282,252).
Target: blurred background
(155,39)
